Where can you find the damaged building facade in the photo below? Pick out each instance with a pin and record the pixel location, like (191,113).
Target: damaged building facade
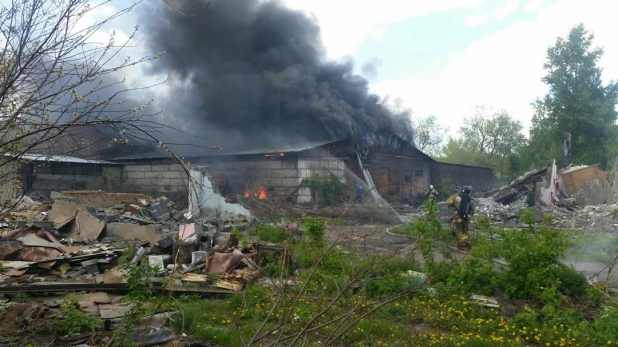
(399,170)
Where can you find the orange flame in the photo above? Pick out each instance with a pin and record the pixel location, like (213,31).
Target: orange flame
(261,194)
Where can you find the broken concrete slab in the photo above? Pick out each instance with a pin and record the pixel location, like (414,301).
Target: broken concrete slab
(86,227)
(62,208)
(128,231)
(112,311)
(156,261)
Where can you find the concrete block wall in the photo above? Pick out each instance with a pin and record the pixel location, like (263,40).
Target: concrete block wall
(277,176)
(155,178)
(323,167)
(44,184)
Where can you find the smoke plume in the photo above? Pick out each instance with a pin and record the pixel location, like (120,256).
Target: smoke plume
(256,70)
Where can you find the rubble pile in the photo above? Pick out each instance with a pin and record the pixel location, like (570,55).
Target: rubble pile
(563,193)
(79,237)
(520,187)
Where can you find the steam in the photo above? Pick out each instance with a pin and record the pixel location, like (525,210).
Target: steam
(254,71)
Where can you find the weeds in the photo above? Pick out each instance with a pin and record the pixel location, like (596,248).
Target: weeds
(74,321)
(270,233)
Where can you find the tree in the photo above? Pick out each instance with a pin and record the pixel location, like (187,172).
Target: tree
(487,139)
(429,134)
(55,78)
(577,102)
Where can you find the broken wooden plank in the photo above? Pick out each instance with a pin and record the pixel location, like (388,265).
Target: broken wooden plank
(195,278)
(231,285)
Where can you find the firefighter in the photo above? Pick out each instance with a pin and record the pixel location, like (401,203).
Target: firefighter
(464,210)
(432,193)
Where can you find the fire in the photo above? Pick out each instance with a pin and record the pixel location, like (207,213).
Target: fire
(261,194)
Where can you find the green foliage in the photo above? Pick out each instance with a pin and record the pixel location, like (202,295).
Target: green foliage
(21,297)
(270,233)
(315,229)
(487,140)
(328,186)
(139,280)
(429,134)
(577,102)
(240,236)
(446,187)
(533,256)
(74,321)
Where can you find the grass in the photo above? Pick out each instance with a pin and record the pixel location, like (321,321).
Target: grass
(404,230)
(419,320)
(561,310)
(270,233)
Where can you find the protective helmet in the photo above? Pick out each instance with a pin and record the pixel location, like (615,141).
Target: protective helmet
(466,190)
(431,187)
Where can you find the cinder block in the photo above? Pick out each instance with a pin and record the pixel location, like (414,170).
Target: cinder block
(172,174)
(275,182)
(288,164)
(145,181)
(153,174)
(289,182)
(125,174)
(161,167)
(178,182)
(135,175)
(128,168)
(143,168)
(175,167)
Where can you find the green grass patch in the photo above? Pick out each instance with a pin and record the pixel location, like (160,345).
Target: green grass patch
(270,233)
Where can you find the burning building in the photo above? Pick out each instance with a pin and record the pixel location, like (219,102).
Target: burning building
(398,170)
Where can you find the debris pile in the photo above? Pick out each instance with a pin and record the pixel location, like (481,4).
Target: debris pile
(560,192)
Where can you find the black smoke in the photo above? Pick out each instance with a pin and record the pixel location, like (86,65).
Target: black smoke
(255,71)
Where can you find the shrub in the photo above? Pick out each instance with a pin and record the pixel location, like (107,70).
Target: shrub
(74,321)
(271,233)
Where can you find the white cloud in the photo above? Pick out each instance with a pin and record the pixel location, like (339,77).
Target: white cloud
(505,69)
(497,11)
(477,19)
(346,23)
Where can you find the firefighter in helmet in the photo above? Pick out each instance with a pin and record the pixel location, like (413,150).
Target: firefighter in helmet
(464,211)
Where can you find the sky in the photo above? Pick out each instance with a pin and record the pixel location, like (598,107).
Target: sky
(444,57)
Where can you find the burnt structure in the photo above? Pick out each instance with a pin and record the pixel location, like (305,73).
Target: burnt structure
(399,170)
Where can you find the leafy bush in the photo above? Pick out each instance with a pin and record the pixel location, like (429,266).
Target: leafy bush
(271,233)
(315,229)
(74,321)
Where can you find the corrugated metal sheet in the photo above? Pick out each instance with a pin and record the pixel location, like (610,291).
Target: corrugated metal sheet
(59,159)
(206,152)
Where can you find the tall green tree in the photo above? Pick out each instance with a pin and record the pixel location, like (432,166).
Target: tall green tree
(429,134)
(577,102)
(488,139)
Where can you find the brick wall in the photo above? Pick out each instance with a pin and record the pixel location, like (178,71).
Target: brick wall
(102,199)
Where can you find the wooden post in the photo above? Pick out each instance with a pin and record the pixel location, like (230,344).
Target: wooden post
(567,149)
